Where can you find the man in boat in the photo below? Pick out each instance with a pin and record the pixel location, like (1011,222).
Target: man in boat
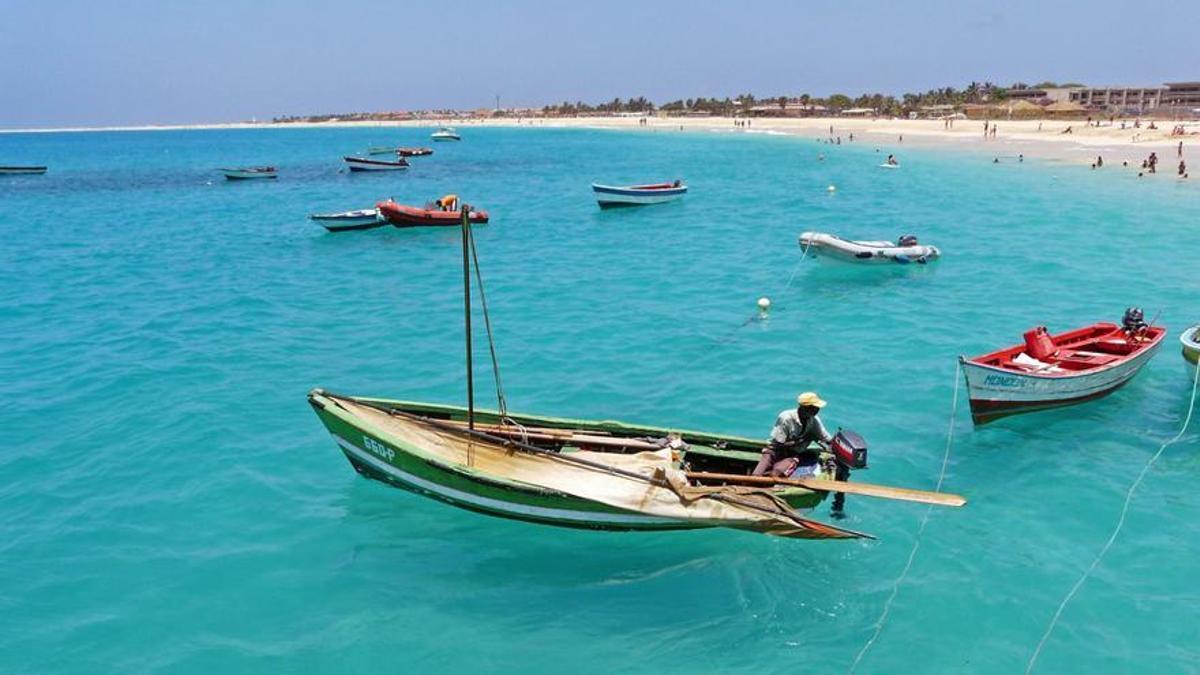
(448,203)
(794,431)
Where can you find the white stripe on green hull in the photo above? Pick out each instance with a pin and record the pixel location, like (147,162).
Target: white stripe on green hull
(511,509)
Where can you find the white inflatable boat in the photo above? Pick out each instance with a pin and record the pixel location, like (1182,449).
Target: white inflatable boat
(906,250)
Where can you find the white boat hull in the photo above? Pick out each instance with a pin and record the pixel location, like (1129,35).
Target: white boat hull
(241,174)
(609,196)
(997,392)
(866,252)
(363,219)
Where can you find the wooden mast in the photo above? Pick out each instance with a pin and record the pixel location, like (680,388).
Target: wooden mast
(466,241)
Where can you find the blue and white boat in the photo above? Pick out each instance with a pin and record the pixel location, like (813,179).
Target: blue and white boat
(362,219)
(638,195)
(445,134)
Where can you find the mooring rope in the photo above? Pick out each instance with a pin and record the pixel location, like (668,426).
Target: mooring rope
(487,322)
(1187,420)
(912,555)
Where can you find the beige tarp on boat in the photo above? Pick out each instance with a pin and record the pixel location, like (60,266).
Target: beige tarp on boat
(658,489)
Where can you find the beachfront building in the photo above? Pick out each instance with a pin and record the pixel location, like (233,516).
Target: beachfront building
(1119,99)
(1185,95)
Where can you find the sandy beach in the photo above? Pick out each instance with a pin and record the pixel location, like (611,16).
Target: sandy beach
(1042,140)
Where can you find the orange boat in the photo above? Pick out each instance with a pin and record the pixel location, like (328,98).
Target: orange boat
(431,215)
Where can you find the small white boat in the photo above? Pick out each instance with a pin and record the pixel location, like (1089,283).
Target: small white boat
(609,196)
(22,170)
(361,164)
(906,250)
(445,134)
(252,172)
(1191,345)
(362,219)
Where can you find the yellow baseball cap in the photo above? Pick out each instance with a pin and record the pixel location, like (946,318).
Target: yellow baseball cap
(810,398)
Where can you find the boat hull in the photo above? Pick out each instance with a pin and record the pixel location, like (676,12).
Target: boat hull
(411,216)
(413,152)
(609,196)
(379,457)
(1191,345)
(356,164)
(247,174)
(351,220)
(820,244)
(997,392)
(22,170)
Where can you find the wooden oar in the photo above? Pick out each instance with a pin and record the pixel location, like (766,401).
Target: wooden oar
(864,489)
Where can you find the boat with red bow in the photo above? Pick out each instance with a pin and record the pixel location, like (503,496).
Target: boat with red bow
(364,164)
(1049,371)
(609,196)
(442,213)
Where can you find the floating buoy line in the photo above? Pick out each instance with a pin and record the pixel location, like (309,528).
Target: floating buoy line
(1112,538)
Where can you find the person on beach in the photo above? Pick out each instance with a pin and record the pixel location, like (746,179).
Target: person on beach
(1152,163)
(793,433)
(1179,151)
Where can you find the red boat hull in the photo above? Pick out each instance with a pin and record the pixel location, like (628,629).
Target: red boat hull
(1050,371)
(402,215)
(414,152)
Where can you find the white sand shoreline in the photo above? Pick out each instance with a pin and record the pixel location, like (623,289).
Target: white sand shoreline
(1036,139)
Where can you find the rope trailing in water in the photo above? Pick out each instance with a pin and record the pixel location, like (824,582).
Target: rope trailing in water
(1187,420)
(912,555)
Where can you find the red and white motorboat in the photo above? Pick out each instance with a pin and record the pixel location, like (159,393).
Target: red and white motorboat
(362,164)
(402,215)
(413,152)
(1049,371)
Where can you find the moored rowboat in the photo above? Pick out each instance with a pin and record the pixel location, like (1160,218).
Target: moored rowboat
(1049,371)
(402,215)
(21,170)
(637,195)
(249,173)
(361,164)
(1191,344)
(362,219)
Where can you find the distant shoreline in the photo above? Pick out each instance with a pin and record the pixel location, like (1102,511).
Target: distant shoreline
(1042,139)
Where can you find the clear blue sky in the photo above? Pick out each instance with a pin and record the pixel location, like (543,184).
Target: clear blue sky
(74,62)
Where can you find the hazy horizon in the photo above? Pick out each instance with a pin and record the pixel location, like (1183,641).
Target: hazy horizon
(92,65)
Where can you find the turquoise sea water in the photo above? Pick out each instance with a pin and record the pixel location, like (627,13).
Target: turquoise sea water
(168,501)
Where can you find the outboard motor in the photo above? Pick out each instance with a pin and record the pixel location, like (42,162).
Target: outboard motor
(1134,320)
(850,449)
(907,240)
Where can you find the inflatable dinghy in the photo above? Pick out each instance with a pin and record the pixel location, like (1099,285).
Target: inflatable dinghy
(906,250)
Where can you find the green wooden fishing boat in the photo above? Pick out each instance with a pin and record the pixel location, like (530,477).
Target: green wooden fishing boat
(578,473)
(423,448)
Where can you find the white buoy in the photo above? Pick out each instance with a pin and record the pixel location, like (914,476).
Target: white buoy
(832,188)
(764,308)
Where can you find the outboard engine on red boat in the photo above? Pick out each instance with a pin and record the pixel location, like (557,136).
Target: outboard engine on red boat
(850,449)
(1134,321)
